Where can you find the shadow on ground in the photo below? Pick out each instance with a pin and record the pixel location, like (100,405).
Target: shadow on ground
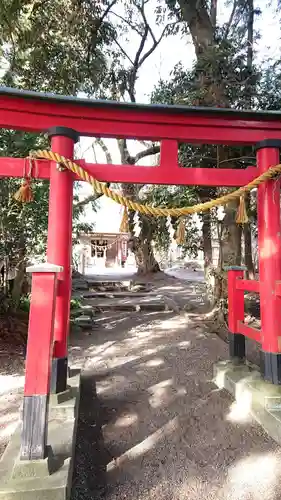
(152,423)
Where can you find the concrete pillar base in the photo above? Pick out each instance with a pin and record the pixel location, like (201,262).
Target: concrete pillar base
(261,399)
(51,477)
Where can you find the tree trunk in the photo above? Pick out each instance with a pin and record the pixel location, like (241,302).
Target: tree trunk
(18,284)
(207,241)
(250,52)
(202,27)
(208,256)
(230,251)
(141,246)
(248,255)
(18,281)
(231,236)
(145,260)
(248,251)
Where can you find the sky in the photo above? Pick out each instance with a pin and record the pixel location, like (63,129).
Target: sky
(158,66)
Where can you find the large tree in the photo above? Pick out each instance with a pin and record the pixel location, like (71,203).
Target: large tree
(223,75)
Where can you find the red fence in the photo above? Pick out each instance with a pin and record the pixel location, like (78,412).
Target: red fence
(237,285)
(236,315)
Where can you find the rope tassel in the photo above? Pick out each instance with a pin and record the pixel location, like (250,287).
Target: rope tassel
(242,216)
(24,194)
(124,226)
(180,233)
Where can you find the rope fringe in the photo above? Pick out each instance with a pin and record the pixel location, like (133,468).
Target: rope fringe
(180,233)
(124,226)
(242,216)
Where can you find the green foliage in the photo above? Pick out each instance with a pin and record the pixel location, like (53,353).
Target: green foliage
(25,303)
(56,46)
(22,226)
(169,196)
(75,304)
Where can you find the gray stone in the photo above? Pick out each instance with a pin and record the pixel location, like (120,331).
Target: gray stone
(82,313)
(83,319)
(35,468)
(244,382)
(64,404)
(48,479)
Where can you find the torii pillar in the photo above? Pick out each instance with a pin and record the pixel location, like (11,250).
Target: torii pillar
(269,244)
(59,248)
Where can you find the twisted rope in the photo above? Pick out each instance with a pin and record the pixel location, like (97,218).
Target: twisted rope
(102,188)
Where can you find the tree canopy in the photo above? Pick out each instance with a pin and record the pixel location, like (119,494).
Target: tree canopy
(99,49)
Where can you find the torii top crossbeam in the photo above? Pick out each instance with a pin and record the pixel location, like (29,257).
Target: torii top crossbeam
(34,111)
(37,112)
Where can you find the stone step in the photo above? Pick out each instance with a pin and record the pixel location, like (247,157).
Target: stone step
(118,294)
(142,304)
(82,311)
(108,280)
(83,320)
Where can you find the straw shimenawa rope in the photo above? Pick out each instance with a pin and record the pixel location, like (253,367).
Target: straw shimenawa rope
(102,188)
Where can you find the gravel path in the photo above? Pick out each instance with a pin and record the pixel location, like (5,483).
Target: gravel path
(11,391)
(154,426)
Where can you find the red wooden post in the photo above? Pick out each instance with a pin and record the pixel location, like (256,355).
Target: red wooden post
(38,361)
(60,247)
(269,242)
(235,314)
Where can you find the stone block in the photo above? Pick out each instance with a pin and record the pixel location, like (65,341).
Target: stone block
(244,383)
(48,479)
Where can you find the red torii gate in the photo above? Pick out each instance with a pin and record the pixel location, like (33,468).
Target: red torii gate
(67,118)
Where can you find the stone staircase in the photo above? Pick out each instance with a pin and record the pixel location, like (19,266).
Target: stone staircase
(93,297)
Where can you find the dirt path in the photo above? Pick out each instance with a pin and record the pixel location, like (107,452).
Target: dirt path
(154,426)
(152,423)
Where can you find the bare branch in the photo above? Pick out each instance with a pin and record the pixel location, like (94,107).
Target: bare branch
(105,149)
(231,17)
(153,150)
(150,31)
(137,62)
(123,51)
(213,12)
(107,11)
(95,196)
(139,58)
(123,148)
(156,42)
(142,11)
(94,151)
(89,199)
(238,158)
(124,20)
